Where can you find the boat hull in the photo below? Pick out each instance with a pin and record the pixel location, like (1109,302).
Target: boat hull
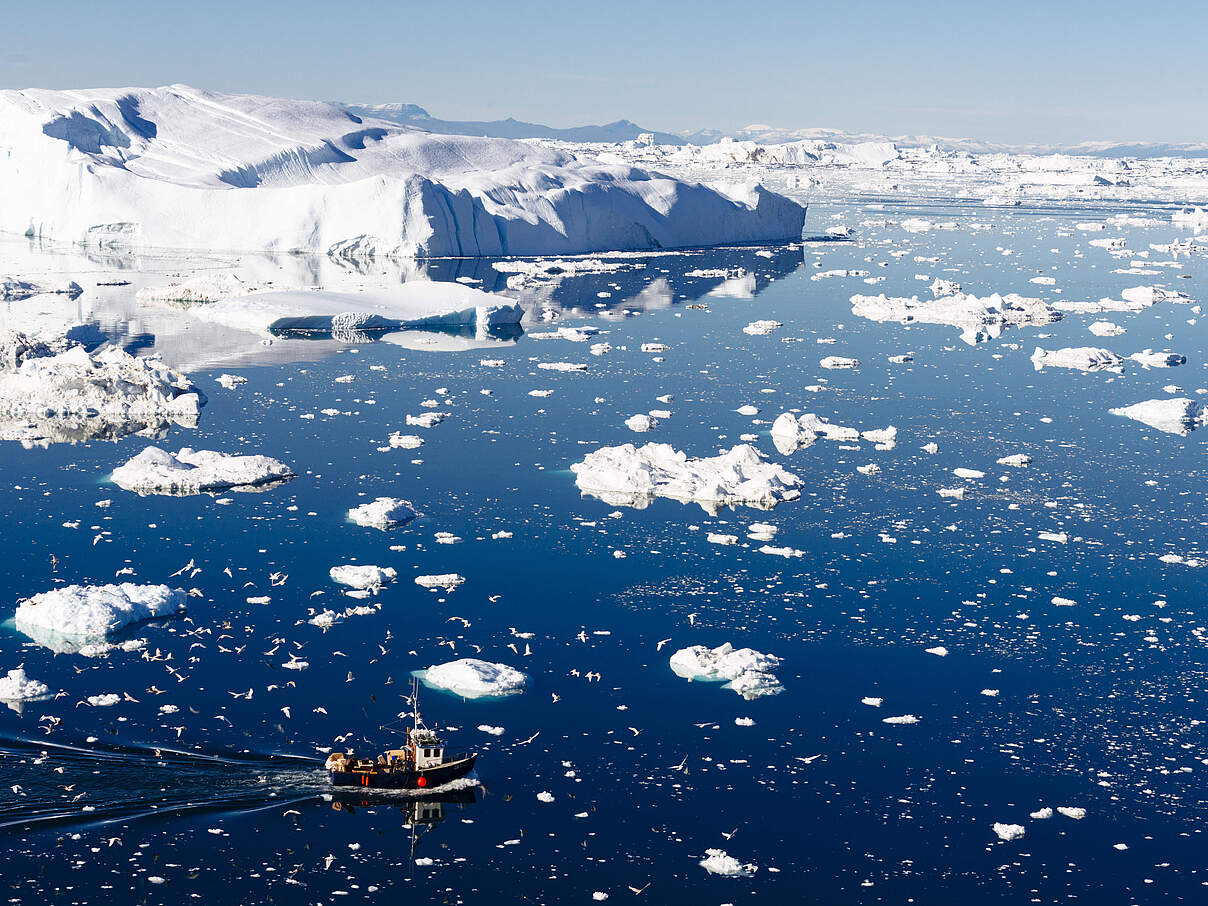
(427,778)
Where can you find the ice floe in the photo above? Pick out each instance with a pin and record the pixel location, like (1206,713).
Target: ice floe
(718,862)
(633,476)
(18,687)
(473,678)
(978,319)
(744,670)
(68,618)
(1179,415)
(156,471)
(383,513)
(1080,358)
(363,577)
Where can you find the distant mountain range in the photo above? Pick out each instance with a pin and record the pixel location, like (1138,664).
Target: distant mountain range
(414,115)
(626,130)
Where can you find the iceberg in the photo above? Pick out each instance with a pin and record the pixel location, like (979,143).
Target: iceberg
(1080,358)
(633,476)
(383,513)
(366,577)
(184,168)
(70,618)
(979,318)
(746,671)
(1179,415)
(49,396)
(17,687)
(15,288)
(156,471)
(470,677)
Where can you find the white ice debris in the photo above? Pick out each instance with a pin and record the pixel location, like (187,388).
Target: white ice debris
(405,441)
(1179,415)
(757,328)
(979,319)
(901,719)
(838,361)
(447,581)
(383,513)
(1070,811)
(718,862)
(156,471)
(180,167)
(104,700)
(1080,358)
(363,576)
(746,671)
(872,701)
(1015,460)
(67,618)
(1150,359)
(633,476)
(1041,814)
(938,651)
(641,423)
(1008,832)
(199,289)
(968,473)
(474,678)
(73,396)
(17,687)
(1105,329)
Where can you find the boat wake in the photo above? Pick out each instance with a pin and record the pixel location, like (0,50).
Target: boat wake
(55,784)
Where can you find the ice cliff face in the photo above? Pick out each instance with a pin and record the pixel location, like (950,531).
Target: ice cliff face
(178,167)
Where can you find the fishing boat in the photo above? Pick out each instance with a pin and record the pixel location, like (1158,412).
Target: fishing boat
(421,764)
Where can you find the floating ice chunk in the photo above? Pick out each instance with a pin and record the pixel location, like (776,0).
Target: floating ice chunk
(990,693)
(954,493)
(545,796)
(1081,358)
(231,381)
(473,678)
(838,361)
(744,722)
(749,672)
(1179,415)
(747,410)
(633,476)
(17,687)
(1072,812)
(1105,329)
(1015,460)
(156,471)
(941,288)
(718,862)
(938,651)
(968,473)
(66,618)
(1153,295)
(901,719)
(1009,832)
(14,288)
(199,290)
(641,423)
(1042,814)
(715,538)
(979,319)
(73,396)
(105,700)
(870,469)
(1150,359)
(1057,537)
(493,731)
(568,367)
(758,328)
(363,577)
(1059,601)
(447,581)
(427,419)
(383,513)
(786,552)
(405,441)
(872,701)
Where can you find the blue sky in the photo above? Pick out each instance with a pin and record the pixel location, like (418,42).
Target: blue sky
(1013,72)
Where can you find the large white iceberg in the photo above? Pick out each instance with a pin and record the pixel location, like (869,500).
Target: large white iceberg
(474,678)
(383,513)
(156,471)
(1178,415)
(69,618)
(633,476)
(17,687)
(1080,358)
(71,395)
(746,671)
(179,167)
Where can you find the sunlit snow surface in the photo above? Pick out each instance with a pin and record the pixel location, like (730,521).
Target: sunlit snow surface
(1074,677)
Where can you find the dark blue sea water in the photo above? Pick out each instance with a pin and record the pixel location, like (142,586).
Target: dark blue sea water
(1100,705)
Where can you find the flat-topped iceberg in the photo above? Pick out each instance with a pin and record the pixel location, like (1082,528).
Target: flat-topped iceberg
(746,671)
(73,395)
(419,303)
(1080,358)
(633,476)
(470,677)
(1178,415)
(179,167)
(363,577)
(69,618)
(156,471)
(383,513)
(979,318)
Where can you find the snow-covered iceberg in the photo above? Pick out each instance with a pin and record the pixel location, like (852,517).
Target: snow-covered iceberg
(156,471)
(470,677)
(49,396)
(383,513)
(17,687)
(746,671)
(363,577)
(1080,358)
(633,476)
(1178,415)
(179,167)
(70,618)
